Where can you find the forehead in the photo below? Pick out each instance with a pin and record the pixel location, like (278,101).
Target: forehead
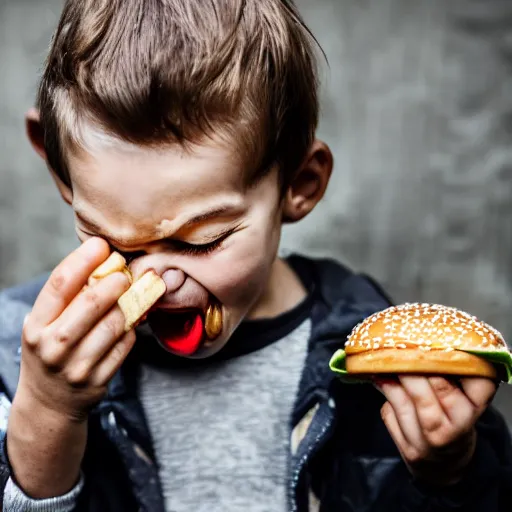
(113,179)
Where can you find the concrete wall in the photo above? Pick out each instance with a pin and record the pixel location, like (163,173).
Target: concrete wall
(417,106)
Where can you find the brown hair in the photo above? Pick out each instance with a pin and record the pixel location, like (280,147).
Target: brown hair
(153,72)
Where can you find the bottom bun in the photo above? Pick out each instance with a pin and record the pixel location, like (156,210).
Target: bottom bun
(437,362)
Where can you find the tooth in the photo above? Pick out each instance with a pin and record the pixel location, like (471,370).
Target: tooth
(213,321)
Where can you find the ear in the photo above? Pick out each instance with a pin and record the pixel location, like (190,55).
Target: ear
(309,184)
(35,135)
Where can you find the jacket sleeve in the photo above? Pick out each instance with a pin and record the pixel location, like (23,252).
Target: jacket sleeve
(486,487)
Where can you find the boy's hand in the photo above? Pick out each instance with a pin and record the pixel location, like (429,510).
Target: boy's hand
(432,422)
(73,340)
(72,344)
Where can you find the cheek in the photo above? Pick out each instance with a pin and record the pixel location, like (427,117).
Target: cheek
(238,274)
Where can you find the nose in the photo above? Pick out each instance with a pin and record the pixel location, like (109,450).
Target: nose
(173,277)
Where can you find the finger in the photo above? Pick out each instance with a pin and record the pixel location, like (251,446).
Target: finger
(84,312)
(409,453)
(479,391)
(91,350)
(111,363)
(431,416)
(405,413)
(454,402)
(389,418)
(67,280)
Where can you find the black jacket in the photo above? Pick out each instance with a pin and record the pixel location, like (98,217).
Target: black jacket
(342,458)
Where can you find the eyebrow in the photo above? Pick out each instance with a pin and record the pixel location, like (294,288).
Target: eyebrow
(219,211)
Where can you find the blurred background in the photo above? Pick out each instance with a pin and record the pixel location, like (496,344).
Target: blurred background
(417,108)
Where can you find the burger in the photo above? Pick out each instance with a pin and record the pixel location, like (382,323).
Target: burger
(425,339)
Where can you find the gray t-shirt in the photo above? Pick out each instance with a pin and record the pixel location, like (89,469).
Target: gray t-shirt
(221,431)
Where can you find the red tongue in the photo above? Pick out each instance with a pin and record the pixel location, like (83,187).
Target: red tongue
(180,333)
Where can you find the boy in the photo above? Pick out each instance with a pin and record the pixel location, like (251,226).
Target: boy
(182,134)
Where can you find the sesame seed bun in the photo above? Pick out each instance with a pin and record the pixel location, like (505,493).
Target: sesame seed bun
(424,339)
(417,361)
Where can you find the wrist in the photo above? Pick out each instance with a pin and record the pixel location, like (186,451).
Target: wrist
(45,447)
(31,403)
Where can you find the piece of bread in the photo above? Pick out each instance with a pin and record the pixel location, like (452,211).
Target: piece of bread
(142,294)
(424,339)
(417,361)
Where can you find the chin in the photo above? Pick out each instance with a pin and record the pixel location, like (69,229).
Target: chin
(208,348)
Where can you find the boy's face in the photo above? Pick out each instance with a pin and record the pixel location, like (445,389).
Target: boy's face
(188,216)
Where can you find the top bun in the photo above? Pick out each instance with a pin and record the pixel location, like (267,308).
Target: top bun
(424,327)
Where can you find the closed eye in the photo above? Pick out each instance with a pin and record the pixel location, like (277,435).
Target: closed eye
(181,247)
(177,245)
(202,249)
(197,249)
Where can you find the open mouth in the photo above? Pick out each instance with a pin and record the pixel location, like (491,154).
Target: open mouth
(183,332)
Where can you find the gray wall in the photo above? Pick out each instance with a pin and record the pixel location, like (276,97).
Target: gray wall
(417,107)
